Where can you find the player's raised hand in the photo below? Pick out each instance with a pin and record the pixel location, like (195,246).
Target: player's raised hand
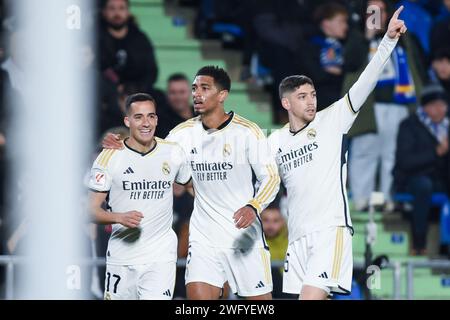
(112,141)
(130,219)
(396,26)
(244,217)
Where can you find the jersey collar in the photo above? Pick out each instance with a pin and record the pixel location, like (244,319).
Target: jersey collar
(299,130)
(141,153)
(223,125)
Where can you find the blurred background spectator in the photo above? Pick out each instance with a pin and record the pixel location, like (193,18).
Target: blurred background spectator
(323,57)
(275,230)
(375,129)
(126,53)
(179,104)
(441,68)
(422,161)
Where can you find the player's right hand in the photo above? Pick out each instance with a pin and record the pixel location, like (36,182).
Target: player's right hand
(112,141)
(130,219)
(396,26)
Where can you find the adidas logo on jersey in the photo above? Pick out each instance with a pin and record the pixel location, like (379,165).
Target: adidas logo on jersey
(260,285)
(128,171)
(194,151)
(324,275)
(167,293)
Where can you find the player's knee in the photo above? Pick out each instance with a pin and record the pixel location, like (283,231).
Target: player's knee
(313,293)
(266,296)
(202,291)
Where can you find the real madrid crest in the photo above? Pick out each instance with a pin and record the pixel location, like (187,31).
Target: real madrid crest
(226,150)
(311,134)
(107,296)
(166,168)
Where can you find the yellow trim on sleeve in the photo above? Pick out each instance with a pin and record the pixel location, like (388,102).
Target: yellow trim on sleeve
(104,157)
(270,186)
(251,125)
(256,205)
(101,156)
(186,124)
(165,141)
(108,157)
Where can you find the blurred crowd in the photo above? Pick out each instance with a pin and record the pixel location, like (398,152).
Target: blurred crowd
(399,142)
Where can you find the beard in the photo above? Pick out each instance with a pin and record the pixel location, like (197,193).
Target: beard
(117,26)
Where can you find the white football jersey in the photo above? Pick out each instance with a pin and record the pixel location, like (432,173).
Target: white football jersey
(312,166)
(223,164)
(313,161)
(141,182)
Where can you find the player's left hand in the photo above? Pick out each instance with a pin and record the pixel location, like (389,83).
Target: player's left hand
(244,217)
(396,26)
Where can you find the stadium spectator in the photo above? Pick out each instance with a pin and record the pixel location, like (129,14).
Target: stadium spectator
(275,230)
(107,112)
(441,68)
(179,100)
(279,30)
(126,54)
(421,166)
(323,59)
(375,130)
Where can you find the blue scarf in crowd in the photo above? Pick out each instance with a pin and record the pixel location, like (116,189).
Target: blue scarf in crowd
(398,75)
(331,52)
(438,130)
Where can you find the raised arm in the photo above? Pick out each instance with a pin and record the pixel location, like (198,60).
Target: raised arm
(368,79)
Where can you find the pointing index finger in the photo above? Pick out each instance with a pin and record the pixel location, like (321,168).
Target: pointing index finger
(397,12)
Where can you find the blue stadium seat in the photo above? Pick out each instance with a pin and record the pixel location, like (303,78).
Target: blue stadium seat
(230,28)
(439,200)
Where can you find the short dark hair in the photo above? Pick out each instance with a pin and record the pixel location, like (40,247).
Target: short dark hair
(104,3)
(292,83)
(177,77)
(220,76)
(138,97)
(329,11)
(442,53)
(431,93)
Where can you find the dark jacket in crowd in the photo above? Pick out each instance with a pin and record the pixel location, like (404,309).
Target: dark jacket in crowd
(131,58)
(416,154)
(167,120)
(440,35)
